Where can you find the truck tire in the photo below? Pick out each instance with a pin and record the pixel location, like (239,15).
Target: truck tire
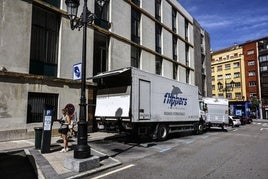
(162,132)
(200,129)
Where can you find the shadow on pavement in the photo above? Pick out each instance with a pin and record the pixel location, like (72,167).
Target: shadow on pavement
(16,165)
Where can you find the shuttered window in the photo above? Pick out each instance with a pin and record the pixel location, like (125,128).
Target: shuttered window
(36,102)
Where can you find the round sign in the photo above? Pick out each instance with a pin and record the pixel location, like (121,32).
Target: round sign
(70,107)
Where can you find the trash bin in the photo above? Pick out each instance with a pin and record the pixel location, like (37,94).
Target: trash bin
(38,137)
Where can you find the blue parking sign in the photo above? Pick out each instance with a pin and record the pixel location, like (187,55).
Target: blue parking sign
(77,72)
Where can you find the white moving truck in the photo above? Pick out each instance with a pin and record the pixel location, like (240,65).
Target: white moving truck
(146,104)
(217,112)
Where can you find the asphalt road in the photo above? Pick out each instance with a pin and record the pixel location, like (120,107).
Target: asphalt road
(239,153)
(14,165)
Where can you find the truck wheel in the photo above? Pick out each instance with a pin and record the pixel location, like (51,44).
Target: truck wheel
(200,129)
(162,132)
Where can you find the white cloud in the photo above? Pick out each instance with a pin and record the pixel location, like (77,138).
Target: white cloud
(213,21)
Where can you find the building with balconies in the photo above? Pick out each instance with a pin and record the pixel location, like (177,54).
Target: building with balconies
(228,78)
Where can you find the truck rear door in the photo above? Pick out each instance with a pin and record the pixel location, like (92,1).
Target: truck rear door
(144,100)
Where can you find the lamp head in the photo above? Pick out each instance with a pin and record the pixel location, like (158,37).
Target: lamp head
(72,8)
(101,3)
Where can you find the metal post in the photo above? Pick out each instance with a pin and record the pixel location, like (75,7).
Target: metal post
(82,149)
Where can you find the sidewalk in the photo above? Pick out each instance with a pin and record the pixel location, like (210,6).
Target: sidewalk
(51,165)
(260,120)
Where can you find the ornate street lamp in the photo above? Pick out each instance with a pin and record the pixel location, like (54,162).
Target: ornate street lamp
(228,87)
(82,149)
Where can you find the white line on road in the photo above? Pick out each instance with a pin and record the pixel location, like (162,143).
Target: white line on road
(114,171)
(261,129)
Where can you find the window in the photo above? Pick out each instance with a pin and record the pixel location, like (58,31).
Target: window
(238,95)
(212,78)
(219,68)
(264,58)
(220,95)
(44,42)
(251,63)
(236,74)
(236,65)
(229,95)
(219,77)
(186,30)
(250,52)
(175,71)
(174,48)
(251,73)
(228,76)
(174,15)
(36,102)
(252,95)
(212,69)
(158,65)
(137,2)
(227,66)
(158,31)
(135,56)
(252,83)
(158,9)
(237,84)
(187,75)
(264,68)
(102,13)
(187,55)
(213,87)
(135,26)
(55,3)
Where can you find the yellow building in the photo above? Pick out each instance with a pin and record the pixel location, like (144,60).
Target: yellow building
(227,74)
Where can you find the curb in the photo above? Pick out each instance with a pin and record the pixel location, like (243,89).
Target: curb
(34,164)
(39,170)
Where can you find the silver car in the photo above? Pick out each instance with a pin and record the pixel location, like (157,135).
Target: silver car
(234,121)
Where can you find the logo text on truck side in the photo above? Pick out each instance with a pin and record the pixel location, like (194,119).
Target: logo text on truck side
(173,99)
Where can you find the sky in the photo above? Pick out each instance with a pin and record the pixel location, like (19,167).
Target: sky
(230,22)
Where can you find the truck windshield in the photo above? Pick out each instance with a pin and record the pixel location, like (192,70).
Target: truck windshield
(202,106)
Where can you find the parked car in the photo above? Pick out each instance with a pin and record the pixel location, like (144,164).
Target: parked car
(245,120)
(234,121)
(249,120)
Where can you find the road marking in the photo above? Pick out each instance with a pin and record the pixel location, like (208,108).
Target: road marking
(114,171)
(205,137)
(163,150)
(235,130)
(189,142)
(261,129)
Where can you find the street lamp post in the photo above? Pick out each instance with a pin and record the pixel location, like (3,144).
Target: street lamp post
(82,149)
(226,87)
